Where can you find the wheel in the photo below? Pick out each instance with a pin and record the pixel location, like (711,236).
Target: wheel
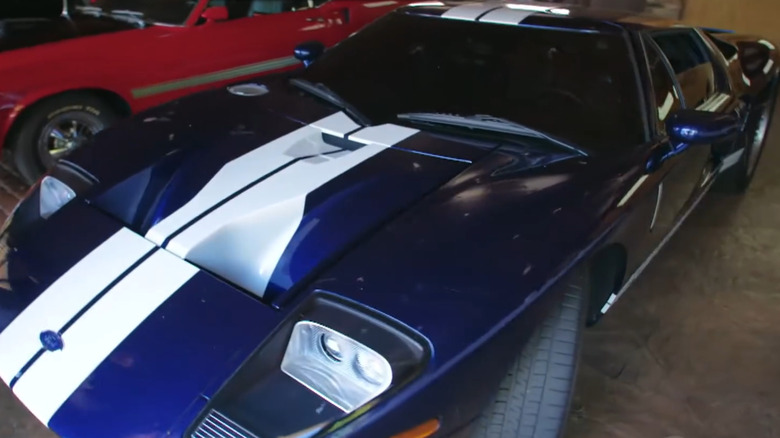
(534,397)
(737,179)
(55,127)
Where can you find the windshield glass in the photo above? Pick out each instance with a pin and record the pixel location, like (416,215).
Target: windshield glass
(157,11)
(580,87)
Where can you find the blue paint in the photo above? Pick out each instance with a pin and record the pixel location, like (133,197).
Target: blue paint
(51,340)
(459,239)
(142,195)
(703,127)
(351,206)
(33,266)
(191,343)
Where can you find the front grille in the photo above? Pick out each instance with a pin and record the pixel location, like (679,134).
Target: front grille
(217,425)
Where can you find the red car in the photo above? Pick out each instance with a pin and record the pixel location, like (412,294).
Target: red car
(63,79)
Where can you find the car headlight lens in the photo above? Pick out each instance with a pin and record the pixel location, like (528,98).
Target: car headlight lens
(54,194)
(337,368)
(372,367)
(332,346)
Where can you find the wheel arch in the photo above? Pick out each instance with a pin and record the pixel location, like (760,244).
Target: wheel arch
(23,111)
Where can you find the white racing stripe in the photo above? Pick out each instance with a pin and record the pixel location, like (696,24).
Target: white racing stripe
(337,124)
(242,171)
(469,12)
(384,135)
(247,234)
(506,16)
(244,239)
(70,293)
(51,380)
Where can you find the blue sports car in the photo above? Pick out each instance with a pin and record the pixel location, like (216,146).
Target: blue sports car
(404,238)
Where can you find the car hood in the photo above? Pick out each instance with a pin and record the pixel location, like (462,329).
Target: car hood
(107,324)
(19,33)
(209,216)
(265,191)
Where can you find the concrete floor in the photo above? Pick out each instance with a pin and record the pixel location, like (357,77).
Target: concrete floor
(692,350)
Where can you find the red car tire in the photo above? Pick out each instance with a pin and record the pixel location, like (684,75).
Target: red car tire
(54,127)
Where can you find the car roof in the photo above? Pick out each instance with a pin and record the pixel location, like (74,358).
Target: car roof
(541,13)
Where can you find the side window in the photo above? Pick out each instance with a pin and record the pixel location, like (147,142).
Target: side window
(667,99)
(691,64)
(251,8)
(728,50)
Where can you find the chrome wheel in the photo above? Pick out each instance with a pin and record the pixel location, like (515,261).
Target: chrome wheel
(64,133)
(758,138)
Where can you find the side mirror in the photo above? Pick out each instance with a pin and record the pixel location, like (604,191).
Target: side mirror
(701,127)
(215,13)
(309,51)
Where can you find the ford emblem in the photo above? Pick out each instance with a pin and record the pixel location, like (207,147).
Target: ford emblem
(51,340)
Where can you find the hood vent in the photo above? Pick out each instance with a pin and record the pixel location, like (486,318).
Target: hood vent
(217,425)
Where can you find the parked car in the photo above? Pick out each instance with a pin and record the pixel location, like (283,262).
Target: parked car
(64,78)
(404,239)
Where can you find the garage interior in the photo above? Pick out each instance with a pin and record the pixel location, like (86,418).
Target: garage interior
(693,350)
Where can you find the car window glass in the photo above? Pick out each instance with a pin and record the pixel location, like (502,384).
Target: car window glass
(251,8)
(691,63)
(719,61)
(578,86)
(159,11)
(667,99)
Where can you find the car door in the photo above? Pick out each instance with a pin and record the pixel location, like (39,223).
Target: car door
(270,29)
(683,76)
(257,38)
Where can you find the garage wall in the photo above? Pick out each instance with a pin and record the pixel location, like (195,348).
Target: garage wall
(758,17)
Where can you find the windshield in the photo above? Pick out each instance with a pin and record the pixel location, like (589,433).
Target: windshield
(580,87)
(152,11)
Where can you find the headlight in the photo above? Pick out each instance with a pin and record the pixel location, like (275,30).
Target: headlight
(326,364)
(54,194)
(339,369)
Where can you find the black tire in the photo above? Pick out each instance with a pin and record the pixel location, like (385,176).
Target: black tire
(30,145)
(737,178)
(534,397)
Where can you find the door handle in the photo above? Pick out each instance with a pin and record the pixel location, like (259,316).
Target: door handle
(315,19)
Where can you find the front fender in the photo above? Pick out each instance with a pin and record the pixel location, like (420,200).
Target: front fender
(473,268)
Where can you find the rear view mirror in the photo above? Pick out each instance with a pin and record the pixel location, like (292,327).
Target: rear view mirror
(309,51)
(215,13)
(701,127)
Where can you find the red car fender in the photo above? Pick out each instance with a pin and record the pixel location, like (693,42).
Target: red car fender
(19,102)
(152,66)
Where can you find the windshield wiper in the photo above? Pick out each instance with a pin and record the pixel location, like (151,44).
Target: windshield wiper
(325,93)
(486,122)
(134,17)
